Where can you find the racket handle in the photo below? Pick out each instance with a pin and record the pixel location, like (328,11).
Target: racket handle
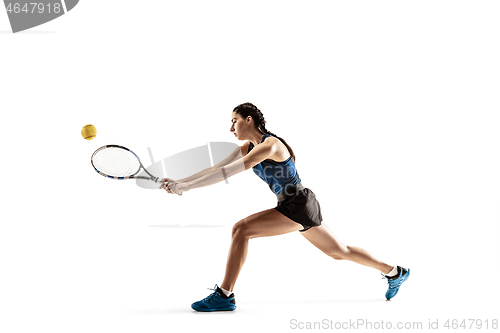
(158,180)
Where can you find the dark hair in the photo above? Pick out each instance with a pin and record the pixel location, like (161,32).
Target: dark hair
(248,109)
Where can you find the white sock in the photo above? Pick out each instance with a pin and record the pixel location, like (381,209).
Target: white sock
(393,272)
(226,292)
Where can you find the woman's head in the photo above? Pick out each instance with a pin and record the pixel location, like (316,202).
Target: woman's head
(247,117)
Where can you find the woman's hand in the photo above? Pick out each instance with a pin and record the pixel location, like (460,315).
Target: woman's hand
(171,186)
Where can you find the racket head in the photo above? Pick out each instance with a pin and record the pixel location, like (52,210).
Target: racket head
(116,162)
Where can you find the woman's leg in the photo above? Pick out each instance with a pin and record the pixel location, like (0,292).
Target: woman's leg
(269,222)
(324,239)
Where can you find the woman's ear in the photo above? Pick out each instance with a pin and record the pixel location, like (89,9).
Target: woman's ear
(249,119)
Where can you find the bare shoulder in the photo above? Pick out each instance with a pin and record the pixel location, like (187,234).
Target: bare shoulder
(272,141)
(278,148)
(268,142)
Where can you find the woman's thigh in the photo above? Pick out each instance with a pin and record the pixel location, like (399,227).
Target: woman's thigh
(268,222)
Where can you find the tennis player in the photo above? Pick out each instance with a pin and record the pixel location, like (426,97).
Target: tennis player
(273,160)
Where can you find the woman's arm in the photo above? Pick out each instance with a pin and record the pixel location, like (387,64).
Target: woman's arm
(260,153)
(236,154)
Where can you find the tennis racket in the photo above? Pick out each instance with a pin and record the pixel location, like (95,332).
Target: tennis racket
(118,162)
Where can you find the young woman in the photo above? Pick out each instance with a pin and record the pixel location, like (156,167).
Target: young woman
(273,160)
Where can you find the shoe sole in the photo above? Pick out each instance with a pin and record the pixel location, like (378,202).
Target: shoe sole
(213,310)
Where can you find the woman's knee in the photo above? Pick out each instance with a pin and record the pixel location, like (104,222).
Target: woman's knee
(339,253)
(240,228)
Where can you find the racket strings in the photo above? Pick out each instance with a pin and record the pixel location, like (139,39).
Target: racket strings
(116,162)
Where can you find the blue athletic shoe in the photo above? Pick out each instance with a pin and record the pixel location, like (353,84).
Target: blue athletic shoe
(217,301)
(396,281)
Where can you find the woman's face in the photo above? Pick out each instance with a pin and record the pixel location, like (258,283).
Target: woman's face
(239,126)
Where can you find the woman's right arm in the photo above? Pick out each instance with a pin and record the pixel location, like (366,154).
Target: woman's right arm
(237,153)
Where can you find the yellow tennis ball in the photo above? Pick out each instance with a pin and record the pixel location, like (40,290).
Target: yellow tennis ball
(89,132)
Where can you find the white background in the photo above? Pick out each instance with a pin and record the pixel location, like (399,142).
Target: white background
(391,107)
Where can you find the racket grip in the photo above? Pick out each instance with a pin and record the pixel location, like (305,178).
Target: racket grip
(158,180)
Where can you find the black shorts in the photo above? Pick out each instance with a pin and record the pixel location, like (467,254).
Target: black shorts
(299,204)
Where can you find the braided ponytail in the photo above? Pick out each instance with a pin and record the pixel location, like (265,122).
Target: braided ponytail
(248,109)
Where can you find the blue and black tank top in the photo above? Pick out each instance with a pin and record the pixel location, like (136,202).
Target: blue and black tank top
(276,174)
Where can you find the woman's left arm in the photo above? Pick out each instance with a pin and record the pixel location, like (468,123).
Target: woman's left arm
(260,153)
